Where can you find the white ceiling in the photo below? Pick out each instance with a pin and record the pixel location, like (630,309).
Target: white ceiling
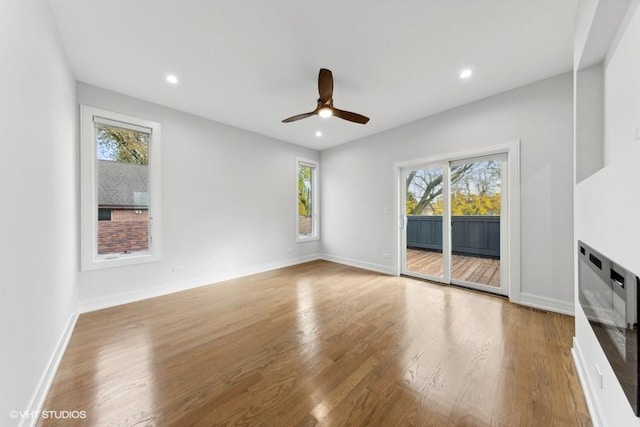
(252,63)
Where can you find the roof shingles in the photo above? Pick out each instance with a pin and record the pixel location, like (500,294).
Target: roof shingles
(123,185)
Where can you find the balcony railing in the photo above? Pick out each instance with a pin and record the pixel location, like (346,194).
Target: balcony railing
(470,235)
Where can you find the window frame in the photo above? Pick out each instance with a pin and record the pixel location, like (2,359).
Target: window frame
(315,200)
(90,260)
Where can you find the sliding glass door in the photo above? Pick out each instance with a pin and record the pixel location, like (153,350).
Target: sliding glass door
(424,207)
(455,217)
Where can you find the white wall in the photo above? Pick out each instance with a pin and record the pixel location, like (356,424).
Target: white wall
(606,211)
(589,112)
(228,205)
(38,202)
(357,182)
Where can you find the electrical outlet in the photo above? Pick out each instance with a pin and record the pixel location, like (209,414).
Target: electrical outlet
(178,268)
(386,255)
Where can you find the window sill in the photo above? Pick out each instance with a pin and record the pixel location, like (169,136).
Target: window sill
(119,261)
(307,239)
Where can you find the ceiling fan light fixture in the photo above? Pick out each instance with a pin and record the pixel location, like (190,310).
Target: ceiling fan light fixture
(325,112)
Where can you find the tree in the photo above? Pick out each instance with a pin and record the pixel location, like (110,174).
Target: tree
(122,145)
(475,190)
(475,204)
(304,191)
(425,187)
(478,191)
(483,178)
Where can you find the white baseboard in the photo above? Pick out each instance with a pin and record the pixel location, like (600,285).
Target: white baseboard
(142,294)
(39,396)
(549,304)
(360,264)
(578,361)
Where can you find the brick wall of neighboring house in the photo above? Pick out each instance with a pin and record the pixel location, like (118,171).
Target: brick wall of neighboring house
(304,226)
(128,230)
(129,215)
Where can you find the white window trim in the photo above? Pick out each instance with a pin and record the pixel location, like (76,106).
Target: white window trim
(90,260)
(315,217)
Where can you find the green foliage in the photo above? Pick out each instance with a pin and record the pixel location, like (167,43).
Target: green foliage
(122,145)
(304,191)
(412,204)
(475,190)
(475,204)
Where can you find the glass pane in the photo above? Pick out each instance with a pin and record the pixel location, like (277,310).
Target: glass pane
(305,198)
(123,189)
(475,222)
(424,221)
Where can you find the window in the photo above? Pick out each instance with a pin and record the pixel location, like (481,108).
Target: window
(308,208)
(120,158)
(104,214)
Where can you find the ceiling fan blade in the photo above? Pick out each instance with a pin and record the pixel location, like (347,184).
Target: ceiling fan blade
(352,117)
(325,89)
(299,117)
(325,85)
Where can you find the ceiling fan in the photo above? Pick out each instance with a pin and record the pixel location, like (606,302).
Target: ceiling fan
(325,106)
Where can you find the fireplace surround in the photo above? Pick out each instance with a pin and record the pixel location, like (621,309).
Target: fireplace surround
(608,295)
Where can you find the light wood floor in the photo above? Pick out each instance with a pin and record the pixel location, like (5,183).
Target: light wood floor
(321,344)
(485,271)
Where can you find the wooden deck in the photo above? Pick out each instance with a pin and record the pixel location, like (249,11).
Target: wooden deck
(484,271)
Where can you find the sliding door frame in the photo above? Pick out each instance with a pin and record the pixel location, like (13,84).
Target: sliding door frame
(446,223)
(504,220)
(512,150)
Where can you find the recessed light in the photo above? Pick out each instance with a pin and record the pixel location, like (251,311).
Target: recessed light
(466,73)
(172,79)
(318,133)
